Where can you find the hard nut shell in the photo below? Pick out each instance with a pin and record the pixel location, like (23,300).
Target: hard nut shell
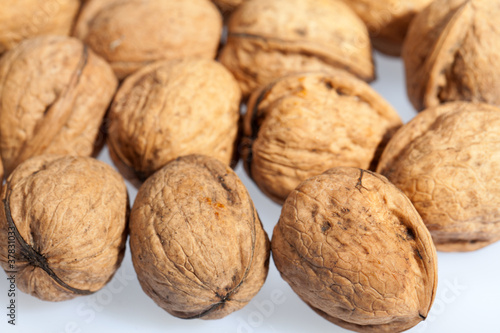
(353,247)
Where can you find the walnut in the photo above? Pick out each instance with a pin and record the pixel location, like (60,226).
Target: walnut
(68,216)
(446,161)
(268,39)
(353,247)
(197,243)
(452,53)
(387,20)
(301,125)
(54,93)
(173,108)
(130,34)
(23,19)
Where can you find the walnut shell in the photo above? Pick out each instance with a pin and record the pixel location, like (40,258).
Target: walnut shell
(197,243)
(301,125)
(69,217)
(23,19)
(173,108)
(452,53)
(446,161)
(354,248)
(130,34)
(268,40)
(54,93)
(387,20)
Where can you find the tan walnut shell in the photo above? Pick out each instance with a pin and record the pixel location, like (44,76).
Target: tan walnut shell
(452,53)
(269,39)
(387,20)
(354,248)
(304,124)
(197,243)
(54,92)
(446,161)
(23,19)
(130,34)
(63,221)
(173,108)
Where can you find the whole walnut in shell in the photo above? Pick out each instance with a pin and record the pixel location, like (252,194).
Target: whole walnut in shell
(130,34)
(23,19)
(197,243)
(68,217)
(354,248)
(446,161)
(54,92)
(387,20)
(452,53)
(301,125)
(269,39)
(173,108)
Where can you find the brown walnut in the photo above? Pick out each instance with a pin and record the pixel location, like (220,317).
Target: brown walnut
(269,39)
(68,216)
(354,248)
(130,34)
(197,243)
(173,108)
(452,53)
(54,92)
(387,20)
(303,124)
(23,19)
(446,161)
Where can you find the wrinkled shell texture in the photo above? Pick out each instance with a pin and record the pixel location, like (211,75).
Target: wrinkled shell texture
(54,93)
(452,53)
(173,108)
(23,19)
(130,34)
(197,243)
(268,39)
(353,247)
(446,161)
(387,20)
(301,125)
(72,211)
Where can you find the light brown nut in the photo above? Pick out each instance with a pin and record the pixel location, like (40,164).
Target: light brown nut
(269,39)
(54,92)
(63,226)
(452,53)
(354,248)
(446,161)
(130,34)
(301,125)
(387,20)
(173,108)
(197,243)
(23,19)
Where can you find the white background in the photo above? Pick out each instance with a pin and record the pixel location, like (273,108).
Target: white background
(468,295)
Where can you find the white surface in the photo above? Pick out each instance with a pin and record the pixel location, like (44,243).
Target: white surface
(468,295)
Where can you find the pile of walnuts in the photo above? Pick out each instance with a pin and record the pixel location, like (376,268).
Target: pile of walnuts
(179,91)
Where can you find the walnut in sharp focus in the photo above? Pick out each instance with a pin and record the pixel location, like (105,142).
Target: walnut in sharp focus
(303,124)
(68,216)
(452,53)
(173,108)
(197,243)
(23,19)
(354,248)
(131,34)
(54,92)
(446,160)
(268,39)
(387,20)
